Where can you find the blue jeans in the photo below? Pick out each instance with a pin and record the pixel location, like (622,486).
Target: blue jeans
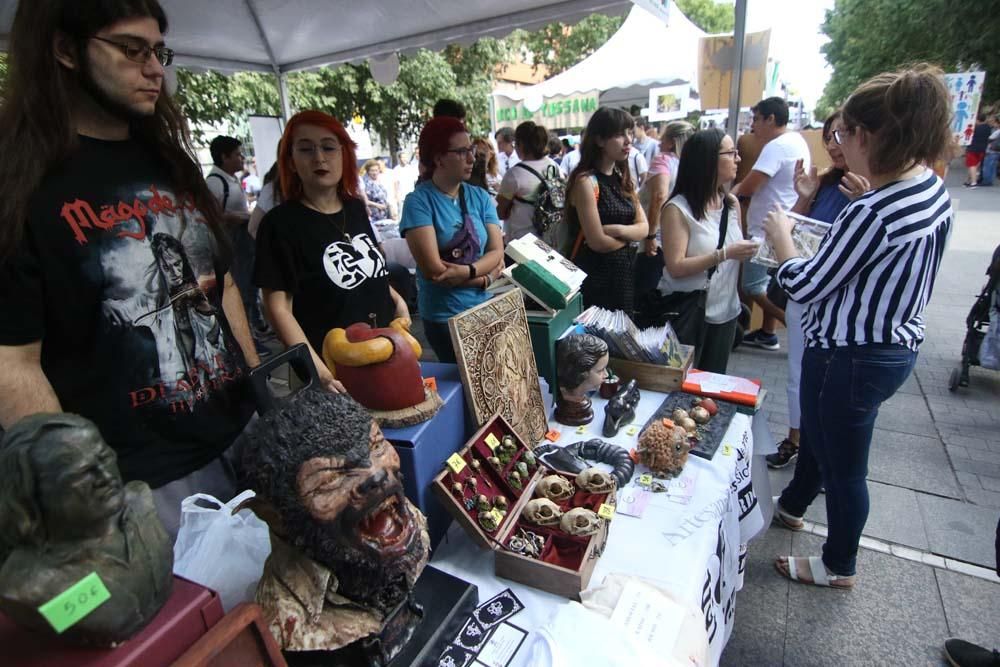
(989,171)
(440,339)
(841,391)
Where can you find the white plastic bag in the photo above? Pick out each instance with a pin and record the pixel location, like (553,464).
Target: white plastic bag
(219,549)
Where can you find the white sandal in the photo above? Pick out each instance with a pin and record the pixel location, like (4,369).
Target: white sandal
(817,570)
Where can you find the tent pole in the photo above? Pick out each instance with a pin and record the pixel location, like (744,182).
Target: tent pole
(283,98)
(493,115)
(739,41)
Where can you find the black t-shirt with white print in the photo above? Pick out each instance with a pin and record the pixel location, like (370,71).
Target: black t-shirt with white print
(329,263)
(120,279)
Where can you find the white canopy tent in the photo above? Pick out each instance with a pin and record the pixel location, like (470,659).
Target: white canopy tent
(284,36)
(643,53)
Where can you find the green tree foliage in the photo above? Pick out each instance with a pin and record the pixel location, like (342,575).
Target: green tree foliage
(709,15)
(558,46)
(872,36)
(395,112)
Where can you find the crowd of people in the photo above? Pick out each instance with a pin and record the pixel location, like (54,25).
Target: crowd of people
(170,284)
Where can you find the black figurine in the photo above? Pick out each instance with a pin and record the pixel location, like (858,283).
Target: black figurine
(620,410)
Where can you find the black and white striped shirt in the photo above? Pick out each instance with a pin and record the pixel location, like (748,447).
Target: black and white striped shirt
(874,271)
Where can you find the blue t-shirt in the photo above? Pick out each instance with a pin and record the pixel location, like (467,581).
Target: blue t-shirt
(428,206)
(829,202)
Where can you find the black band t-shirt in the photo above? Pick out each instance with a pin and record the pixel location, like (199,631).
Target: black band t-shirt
(329,263)
(119,277)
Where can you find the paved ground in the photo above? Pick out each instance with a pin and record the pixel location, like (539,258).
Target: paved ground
(925,564)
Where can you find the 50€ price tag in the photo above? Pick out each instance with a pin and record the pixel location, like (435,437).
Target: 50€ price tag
(456,463)
(75,603)
(492,441)
(606,511)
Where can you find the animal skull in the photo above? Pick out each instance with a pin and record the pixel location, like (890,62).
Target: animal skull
(554,488)
(595,480)
(541,512)
(580,521)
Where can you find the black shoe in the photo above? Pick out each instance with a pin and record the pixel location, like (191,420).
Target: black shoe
(788,451)
(764,341)
(961,653)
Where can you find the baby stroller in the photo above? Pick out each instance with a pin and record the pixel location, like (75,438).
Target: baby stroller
(978,327)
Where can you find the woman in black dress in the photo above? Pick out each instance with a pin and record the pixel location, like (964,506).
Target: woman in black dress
(603,213)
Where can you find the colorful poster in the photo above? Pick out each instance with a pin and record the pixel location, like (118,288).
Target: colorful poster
(965,90)
(669,102)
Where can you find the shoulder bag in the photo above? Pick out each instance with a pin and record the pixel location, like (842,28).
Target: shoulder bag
(684,310)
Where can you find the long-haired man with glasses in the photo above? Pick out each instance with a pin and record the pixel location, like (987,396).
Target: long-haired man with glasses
(96,169)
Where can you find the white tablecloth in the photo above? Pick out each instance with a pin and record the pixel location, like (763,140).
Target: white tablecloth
(694,550)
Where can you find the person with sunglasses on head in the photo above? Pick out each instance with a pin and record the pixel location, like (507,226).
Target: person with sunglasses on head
(116,296)
(863,293)
(821,197)
(603,214)
(452,230)
(319,262)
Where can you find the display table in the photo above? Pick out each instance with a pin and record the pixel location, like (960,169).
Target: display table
(422,447)
(694,549)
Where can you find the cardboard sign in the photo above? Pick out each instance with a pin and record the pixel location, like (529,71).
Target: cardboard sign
(75,603)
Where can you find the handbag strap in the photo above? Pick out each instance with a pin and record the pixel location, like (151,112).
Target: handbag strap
(723,228)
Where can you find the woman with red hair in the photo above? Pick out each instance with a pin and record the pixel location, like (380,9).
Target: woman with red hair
(452,230)
(319,263)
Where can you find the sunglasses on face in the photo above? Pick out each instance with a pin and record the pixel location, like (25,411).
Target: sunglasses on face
(141,53)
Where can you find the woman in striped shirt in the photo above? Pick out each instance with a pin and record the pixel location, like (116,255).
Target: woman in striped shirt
(864,293)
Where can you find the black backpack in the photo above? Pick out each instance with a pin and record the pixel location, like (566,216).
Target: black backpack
(550,200)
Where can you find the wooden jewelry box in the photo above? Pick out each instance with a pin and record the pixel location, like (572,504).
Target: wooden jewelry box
(564,562)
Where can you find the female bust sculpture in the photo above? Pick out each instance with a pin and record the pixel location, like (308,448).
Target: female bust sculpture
(581,365)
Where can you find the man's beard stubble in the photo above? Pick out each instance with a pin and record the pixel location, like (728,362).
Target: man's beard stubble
(90,86)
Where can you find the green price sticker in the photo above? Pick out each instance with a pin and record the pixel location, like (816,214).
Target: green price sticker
(497,515)
(606,511)
(75,603)
(456,463)
(645,480)
(492,442)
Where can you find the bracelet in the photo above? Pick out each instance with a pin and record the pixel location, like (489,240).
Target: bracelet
(472,271)
(724,253)
(718,256)
(651,237)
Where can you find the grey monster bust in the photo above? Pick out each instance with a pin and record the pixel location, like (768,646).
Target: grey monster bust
(65,513)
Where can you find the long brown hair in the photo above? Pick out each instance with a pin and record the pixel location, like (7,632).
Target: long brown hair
(37,130)
(607,122)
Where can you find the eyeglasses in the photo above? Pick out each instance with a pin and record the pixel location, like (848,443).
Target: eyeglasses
(309,150)
(838,137)
(141,53)
(463,152)
(732,153)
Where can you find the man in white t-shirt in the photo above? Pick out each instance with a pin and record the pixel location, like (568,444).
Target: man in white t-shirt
(227,156)
(770,184)
(570,160)
(507,157)
(637,166)
(405,175)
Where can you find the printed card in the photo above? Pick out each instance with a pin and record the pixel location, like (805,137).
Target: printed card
(502,646)
(498,609)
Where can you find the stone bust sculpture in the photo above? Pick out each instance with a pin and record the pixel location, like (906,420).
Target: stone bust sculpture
(65,513)
(347,546)
(581,366)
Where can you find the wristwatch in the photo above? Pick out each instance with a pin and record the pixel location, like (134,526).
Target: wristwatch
(472,271)
(651,237)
